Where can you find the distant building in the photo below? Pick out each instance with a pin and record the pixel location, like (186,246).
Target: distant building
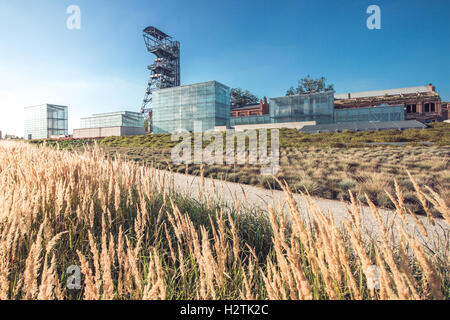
(11,137)
(180,108)
(251,109)
(446,110)
(45,121)
(122,123)
(420,103)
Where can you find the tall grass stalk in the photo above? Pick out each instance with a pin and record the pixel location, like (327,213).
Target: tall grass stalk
(134,237)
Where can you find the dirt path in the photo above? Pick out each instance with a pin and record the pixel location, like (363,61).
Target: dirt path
(259,198)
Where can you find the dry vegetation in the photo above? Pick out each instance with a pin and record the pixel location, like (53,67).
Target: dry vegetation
(135,238)
(329,172)
(328,165)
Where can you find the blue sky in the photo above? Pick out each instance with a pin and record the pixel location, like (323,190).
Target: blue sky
(263,46)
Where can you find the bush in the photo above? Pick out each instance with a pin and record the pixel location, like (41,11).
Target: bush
(346,184)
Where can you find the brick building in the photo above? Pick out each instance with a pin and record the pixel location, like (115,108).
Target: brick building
(421,103)
(446,110)
(250,110)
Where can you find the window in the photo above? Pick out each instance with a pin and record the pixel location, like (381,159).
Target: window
(432,107)
(411,108)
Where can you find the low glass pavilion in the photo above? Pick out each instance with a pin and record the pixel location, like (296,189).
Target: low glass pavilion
(317,107)
(113,119)
(377,113)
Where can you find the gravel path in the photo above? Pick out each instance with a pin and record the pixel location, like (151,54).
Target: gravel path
(259,198)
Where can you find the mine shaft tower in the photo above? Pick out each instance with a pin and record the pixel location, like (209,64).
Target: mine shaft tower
(165,71)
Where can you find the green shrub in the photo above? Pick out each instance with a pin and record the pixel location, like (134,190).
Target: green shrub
(346,184)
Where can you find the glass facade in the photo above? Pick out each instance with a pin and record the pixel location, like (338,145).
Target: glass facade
(45,121)
(113,119)
(176,109)
(317,107)
(235,121)
(378,113)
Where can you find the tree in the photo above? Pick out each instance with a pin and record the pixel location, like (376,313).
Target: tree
(240,97)
(291,91)
(310,85)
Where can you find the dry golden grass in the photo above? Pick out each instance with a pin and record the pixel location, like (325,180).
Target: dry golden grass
(134,237)
(329,172)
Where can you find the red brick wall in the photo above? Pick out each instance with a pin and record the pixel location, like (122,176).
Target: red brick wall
(258,110)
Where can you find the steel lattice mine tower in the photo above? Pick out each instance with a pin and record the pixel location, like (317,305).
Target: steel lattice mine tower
(165,71)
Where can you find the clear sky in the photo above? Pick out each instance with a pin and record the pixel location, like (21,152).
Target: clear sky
(264,46)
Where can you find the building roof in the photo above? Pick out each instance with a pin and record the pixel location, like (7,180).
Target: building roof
(392,96)
(388,92)
(108,114)
(364,126)
(194,84)
(115,112)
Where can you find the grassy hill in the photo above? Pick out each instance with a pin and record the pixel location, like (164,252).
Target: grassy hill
(438,133)
(325,164)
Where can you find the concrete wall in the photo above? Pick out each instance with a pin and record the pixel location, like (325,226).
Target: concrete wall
(291,125)
(132,131)
(107,132)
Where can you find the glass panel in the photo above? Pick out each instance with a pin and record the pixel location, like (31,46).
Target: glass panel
(306,107)
(41,121)
(379,113)
(177,108)
(114,119)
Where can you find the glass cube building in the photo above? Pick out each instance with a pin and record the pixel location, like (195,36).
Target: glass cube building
(176,109)
(378,113)
(317,107)
(113,119)
(45,121)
